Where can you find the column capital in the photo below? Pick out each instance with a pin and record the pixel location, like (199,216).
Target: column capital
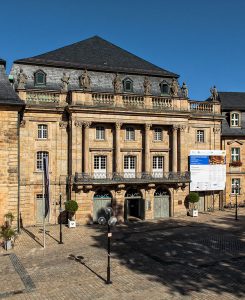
(216,130)
(175,127)
(63,124)
(148,126)
(182,127)
(78,123)
(22,123)
(118,125)
(87,124)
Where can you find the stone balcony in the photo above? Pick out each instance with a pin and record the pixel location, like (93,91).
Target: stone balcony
(131,178)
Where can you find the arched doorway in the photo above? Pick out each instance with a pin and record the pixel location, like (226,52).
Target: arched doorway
(134,204)
(161,203)
(101,200)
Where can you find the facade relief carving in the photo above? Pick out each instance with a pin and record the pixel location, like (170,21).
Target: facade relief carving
(118,125)
(87,124)
(63,124)
(22,123)
(78,123)
(216,130)
(148,126)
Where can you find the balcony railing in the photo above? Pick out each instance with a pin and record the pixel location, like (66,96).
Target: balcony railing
(128,177)
(199,106)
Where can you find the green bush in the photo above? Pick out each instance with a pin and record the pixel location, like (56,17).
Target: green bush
(7,233)
(193,197)
(71,206)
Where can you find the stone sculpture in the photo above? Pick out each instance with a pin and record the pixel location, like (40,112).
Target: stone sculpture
(147,86)
(184,90)
(85,81)
(214,93)
(117,84)
(64,82)
(21,80)
(174,88)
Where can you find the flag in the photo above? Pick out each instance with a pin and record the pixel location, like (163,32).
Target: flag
(46,186)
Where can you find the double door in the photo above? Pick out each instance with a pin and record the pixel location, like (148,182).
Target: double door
(157,167)
(129,166)
(100,166)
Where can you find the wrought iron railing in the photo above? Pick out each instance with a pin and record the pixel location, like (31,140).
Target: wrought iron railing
(129,177)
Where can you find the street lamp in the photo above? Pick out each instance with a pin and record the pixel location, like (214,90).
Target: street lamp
(60,209)
(111,221)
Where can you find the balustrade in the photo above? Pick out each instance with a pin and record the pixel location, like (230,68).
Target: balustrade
(201,106)
(40,97)
(162,103)
(103,99)
(133,101)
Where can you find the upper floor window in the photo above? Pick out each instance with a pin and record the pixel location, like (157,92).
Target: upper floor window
(42,131)
(235,154)
(235,119)
(40,157)
(39,78)
(200,136)
(164,87)
(130,134)
(235,186)
(157,134)
(127,85)
(100,133)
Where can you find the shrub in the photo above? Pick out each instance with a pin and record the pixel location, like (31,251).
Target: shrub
(7,233)
(71,206)
(193,197)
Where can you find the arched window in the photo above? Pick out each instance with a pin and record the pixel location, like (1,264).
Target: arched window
(128,85)
(235,119)
(39,78)
(164,88)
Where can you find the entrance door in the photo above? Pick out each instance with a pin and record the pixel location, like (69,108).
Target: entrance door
(157,167)
(102,199)
(134,204)
(161,204)
(200,203)
(100,166)
(129,166)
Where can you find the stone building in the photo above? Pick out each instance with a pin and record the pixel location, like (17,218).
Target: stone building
(116,128)
(233,141)
(10,109)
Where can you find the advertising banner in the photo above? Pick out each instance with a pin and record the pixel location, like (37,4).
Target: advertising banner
(208,170)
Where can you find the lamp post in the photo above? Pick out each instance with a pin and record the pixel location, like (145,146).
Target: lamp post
(111,221)
(60,208)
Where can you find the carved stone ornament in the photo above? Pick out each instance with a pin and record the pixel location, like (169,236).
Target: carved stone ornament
(216,130)
(21,80)
(147,86)
(64,82)
(87,124)
(22,123)
(118,125)
(117,84)
(174,88)
(85,81)
(78,124)
(175,127)
(182,127)
(148,126)
(214,93)
(63,124)
(184,90)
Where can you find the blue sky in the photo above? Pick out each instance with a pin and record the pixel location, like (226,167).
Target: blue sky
(202,41)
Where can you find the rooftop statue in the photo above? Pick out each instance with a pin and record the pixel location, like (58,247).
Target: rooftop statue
(184,90)
(117,84)
(147,86)
(64,82)
(214,93)
(174,88)
(85,81)
(21,80)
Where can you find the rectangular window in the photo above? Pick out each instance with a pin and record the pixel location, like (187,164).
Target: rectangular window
(100,162)
(42,131)
(235,119)
(235,154)
(39,197)
(40,157)
(129,163)
(235,186)
(100,133)
(158,162)
(130,134)
(157,134)
(200,136)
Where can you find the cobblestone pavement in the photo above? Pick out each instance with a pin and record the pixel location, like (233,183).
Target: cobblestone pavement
(176,258)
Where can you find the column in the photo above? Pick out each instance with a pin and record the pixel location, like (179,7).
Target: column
(183,165)
(87,169)
(174,148)
(118,148)
(147,148)
(77,146)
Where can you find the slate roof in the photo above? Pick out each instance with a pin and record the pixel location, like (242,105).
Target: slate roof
(2,62)
(96,53)
(7,93)
(232,100)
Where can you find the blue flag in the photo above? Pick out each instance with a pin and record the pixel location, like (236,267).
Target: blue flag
(46,186)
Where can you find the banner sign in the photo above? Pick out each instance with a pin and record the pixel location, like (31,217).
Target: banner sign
(46,186)
(208,170)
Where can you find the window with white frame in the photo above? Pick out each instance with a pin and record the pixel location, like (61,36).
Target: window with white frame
(40,157)
(200,136)
(157,134)
(129,162)
(100,133)
(99,162)
(130,134)
(235,154)
(235,186)
(235,119)
(158,162)
(42,131)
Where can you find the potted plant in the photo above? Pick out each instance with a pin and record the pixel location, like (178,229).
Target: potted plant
(236,163)
(8,234)
(71,207)
(193,198)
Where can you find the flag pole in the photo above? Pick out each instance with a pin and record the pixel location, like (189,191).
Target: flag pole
(44,242)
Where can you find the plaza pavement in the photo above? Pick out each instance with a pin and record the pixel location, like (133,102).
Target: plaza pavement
(175,258)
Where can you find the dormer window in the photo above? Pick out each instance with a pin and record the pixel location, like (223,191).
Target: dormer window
(235,119)
(39,78)
(164,87)
(128,85)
